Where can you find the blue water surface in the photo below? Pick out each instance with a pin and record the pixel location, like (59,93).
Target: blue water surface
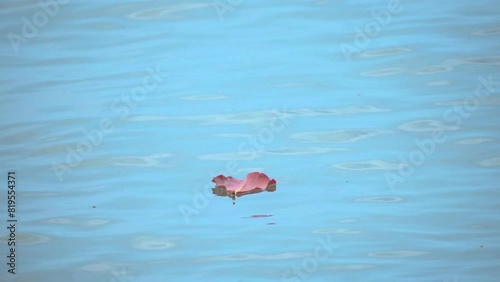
(378,120)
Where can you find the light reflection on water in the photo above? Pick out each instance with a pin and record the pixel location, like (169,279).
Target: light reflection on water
(258,86)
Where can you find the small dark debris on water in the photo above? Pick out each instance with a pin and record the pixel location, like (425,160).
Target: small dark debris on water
(271,223)
(93,207)
(258,216)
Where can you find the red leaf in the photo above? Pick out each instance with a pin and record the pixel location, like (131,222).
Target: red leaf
(254,182)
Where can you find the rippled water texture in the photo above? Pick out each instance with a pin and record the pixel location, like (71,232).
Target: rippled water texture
(378,120)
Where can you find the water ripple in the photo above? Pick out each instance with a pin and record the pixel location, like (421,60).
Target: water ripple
(230,156)
(473,141)
(153,243)
(383,72)
(386,199)
(397,254)
(349,267)
(427,125)
(339,136)
(484,101)
(237,257)
(233,135)
(337,111)
(60,220)
(490,162)
(147,161)
(433,69)
(487,32)
(26,239)
(302,151)
(486,60)
(261,116)
(439,83)
(205,97)
(368,165)
(155,160)
(81,223)
(336,231)
(172,12)
(385,52)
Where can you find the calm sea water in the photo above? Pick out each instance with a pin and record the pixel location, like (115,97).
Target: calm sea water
(378,119)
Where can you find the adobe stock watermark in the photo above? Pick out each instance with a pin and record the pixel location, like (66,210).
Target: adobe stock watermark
(252,145)
(300,272)
(94,137)
(453,116)
(31,26)
(363,37)
(224,6)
